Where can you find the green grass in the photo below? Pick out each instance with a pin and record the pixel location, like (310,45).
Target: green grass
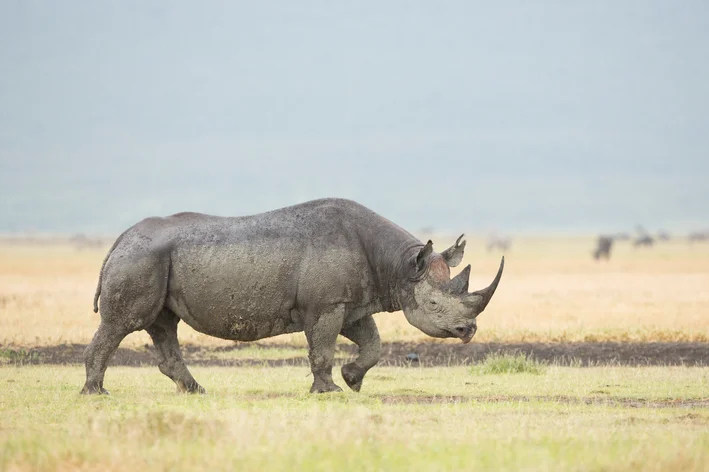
(601,418)
(496,363)
(18,356)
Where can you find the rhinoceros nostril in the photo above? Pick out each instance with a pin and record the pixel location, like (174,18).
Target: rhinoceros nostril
(461,330)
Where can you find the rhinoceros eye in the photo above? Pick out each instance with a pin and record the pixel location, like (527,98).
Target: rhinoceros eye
(432,302)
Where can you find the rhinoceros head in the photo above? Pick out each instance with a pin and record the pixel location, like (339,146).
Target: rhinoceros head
(438,305)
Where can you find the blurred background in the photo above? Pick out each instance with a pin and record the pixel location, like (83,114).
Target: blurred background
(545,116)
(570,137)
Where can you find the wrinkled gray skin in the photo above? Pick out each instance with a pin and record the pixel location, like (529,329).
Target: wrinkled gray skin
(323,267)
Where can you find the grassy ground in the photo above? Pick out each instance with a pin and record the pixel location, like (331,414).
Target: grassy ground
(448,418)
(604,418)
(552,290)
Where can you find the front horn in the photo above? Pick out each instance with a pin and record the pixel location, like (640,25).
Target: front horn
(480,298)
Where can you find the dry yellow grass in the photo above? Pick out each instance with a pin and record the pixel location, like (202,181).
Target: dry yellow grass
(552,290)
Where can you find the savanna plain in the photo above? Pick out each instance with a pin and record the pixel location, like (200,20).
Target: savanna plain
(501,410)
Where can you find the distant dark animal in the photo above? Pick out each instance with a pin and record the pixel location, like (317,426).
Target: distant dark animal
(603,248)
(323,267)
(698,236)
(81,241)
(498,242)
(645,240)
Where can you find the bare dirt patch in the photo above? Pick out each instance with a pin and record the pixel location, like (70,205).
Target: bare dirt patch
(394,354)
(625,402)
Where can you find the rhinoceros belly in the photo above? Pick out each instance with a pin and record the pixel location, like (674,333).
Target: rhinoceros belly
(234,294)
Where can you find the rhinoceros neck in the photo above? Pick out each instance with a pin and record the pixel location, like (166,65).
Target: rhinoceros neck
(398,273)
(390,249)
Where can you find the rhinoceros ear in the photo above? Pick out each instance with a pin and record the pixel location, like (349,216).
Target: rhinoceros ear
(423,255)
(454,254)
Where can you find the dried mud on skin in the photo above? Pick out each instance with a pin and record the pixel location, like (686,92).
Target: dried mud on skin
(393,354)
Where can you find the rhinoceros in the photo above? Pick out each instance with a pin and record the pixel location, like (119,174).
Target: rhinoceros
(323,267)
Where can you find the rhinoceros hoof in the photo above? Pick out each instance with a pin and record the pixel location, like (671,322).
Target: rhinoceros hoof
(94,391)
(191,388)
(323,388)
(353,375)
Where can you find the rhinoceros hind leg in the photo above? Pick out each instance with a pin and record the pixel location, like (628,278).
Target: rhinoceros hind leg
(365,335)
(164,335)
(321,332)
(97,354)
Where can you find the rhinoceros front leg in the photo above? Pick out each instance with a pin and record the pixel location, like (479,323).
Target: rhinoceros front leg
(321,332)
(363,333)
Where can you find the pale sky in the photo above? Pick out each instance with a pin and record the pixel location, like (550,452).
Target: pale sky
(546,115)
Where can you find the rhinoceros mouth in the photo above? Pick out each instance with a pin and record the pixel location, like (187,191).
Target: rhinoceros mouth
(464,334)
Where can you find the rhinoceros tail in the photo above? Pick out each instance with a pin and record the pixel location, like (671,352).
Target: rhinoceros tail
(97,294)
(100,275)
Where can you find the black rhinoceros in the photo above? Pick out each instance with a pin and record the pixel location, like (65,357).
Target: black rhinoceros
(323,267)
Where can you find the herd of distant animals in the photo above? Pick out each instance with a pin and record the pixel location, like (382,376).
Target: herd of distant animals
(604,243)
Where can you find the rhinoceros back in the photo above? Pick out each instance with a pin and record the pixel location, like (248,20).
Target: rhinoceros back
(251,277)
